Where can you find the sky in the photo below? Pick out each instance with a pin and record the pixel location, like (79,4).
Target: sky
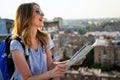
(66,9)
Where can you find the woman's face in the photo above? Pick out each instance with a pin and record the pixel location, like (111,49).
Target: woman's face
(37,17)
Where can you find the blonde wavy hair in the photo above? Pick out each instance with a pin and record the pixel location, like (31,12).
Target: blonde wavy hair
(22,25)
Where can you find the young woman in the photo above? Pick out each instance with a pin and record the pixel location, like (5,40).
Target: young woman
(39,66)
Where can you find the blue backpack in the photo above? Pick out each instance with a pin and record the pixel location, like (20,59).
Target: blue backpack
(6,63)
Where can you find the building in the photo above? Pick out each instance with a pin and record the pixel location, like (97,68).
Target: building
(60,20)
(107,49)
(89,74)
(52,27)
(107,55)
(5,28)
(71,42)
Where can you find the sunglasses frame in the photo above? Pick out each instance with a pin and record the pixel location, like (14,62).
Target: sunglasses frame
(39,11)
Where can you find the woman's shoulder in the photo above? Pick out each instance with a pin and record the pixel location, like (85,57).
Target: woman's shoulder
(14,41)
(15,44)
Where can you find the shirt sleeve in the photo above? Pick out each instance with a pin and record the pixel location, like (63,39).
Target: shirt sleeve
(50,43)
(15,45)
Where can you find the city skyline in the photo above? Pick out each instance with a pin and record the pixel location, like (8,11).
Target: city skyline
(67,9)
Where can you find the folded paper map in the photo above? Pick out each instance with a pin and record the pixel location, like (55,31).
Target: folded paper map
(81,53)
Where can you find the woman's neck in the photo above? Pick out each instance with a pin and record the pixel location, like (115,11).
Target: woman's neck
(33,33)
(34,40)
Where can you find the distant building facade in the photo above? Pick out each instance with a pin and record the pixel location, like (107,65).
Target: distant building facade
(88,74)
(70,41)
(107,55)
(107,50)
(6,26)
(60,20)
(52,27)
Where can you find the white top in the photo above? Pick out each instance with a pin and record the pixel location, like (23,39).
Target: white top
(37,60)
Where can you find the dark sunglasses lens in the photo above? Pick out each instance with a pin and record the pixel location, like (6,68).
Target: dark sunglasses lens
(38,12)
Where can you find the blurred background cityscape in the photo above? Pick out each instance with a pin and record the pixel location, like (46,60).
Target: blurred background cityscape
(102,62)
(71,33)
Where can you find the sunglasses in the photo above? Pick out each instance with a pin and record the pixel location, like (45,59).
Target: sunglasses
(39,11)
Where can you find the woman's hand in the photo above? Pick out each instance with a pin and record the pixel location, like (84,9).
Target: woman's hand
(58,71)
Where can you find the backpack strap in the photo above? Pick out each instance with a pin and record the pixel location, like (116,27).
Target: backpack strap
(9,39)
(26,50)
(24,47)
(11,67)
(20,41)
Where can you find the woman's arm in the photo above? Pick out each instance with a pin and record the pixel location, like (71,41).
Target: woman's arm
(50,62)
(23,68)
